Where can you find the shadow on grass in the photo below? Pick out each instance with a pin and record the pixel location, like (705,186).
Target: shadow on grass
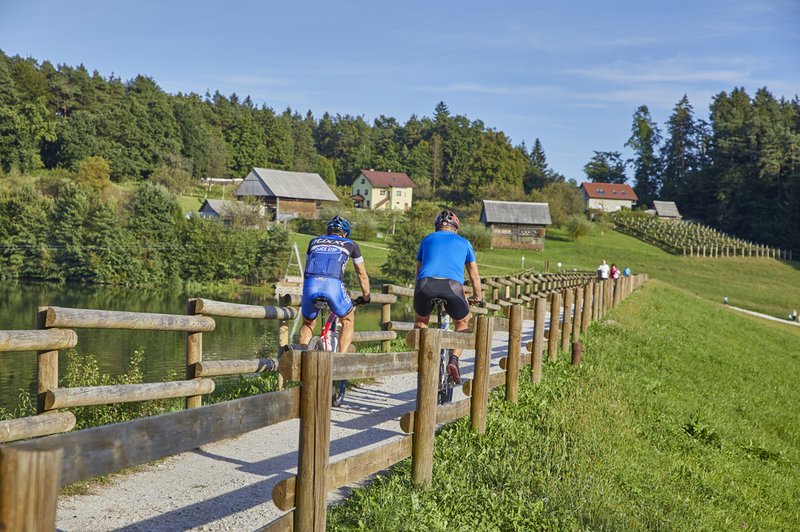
(559,237)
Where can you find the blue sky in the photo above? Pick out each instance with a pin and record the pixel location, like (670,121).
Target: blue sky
(571,73)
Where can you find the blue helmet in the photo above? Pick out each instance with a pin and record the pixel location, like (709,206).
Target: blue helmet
(337,224)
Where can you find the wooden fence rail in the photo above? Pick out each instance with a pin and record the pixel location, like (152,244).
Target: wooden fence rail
(32,471)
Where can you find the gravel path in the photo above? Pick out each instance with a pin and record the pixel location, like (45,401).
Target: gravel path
(228,485)
(764,316)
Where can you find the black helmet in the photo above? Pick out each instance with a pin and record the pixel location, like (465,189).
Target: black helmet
(337,224)
(446,217)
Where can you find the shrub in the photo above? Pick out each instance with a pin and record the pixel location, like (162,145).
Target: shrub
(578,226)
(83,370)
(478,234)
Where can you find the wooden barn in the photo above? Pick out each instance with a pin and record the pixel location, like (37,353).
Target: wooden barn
(287,194)
(516,224)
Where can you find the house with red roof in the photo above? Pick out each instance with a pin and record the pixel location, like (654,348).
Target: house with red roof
(608,197)
(382,190)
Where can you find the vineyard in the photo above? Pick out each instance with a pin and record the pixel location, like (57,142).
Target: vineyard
(690,239)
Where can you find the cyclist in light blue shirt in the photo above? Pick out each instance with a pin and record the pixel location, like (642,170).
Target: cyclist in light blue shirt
(441,259)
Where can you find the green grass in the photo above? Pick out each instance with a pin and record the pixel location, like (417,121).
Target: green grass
(189,203)
(683,417)
(763,285)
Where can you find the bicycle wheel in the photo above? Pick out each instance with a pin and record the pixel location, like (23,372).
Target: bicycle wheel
(339,387)
(445,382)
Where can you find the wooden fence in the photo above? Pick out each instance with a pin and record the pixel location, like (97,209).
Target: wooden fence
(33,471)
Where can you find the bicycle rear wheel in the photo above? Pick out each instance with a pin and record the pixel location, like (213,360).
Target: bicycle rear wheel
(445,382)
(339,387)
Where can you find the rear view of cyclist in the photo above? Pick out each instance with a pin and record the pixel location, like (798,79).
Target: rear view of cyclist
(441,259)
(326,259)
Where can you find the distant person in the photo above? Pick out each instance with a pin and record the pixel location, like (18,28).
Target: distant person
(626,272)
(613,273)
(602,270)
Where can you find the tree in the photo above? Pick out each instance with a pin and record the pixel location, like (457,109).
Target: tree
(680,150)
(401,262)
(538,174)
(495,162)
(94,171)
(606,167)
(564,199)
(644,141)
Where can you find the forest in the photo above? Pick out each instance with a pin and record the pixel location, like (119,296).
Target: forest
(738,169)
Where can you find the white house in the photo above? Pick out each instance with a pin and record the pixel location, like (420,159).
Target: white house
(608,197)
(383,190)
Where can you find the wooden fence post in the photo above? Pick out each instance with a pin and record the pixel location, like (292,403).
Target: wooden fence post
(588,303)
(538,340)
(555,317)
(578,317)
(315,434)
(597,292)
(283,340)
(29,483)
(194,355)
(566,329)
(386,318)
(430,342)
(47,366)
(514,347)
(479,403)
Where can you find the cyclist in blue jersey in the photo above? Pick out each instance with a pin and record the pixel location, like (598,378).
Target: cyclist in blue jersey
(441,259)
(326,259)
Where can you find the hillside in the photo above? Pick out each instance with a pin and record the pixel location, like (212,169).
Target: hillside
(682,418)
(763,285)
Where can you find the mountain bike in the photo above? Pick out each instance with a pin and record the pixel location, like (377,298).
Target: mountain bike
(445,380)
(328,340)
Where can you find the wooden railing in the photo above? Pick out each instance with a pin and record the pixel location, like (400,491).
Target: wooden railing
(32,472)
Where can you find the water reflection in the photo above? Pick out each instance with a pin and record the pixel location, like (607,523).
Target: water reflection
(164,351)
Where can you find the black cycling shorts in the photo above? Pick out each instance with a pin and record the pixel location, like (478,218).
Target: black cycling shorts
(448,290)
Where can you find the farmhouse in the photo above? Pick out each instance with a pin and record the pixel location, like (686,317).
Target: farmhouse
(382,190)
(608,197)
(665,209)
(286,194)
(516,224)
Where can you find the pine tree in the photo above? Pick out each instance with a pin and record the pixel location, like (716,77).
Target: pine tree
(644,141)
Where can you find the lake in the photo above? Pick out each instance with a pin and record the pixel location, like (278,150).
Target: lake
(233,338)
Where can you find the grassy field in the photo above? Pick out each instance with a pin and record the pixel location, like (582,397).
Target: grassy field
(762,285)
(683,417)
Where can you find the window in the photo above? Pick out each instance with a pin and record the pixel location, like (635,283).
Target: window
(358,191)
(615,192)
(383,192)
(601,191)
(398,193)
(367,203)
(624,192)
(362,181)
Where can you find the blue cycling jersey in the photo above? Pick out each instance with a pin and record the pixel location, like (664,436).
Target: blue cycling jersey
(327,256)
(326,259)
(443,254)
